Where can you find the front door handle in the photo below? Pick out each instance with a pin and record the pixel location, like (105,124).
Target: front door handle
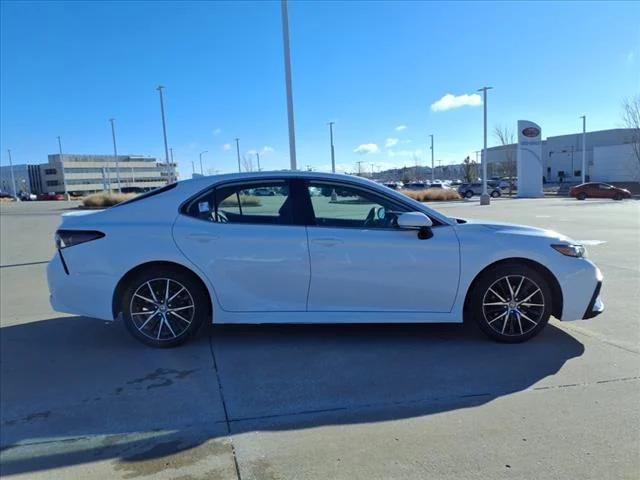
(327,242)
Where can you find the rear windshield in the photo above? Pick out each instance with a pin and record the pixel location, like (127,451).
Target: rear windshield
(148,194)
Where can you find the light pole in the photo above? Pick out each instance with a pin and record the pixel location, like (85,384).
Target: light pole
(433,173)
(115,152)
(287,75)
(202,153)
(193,168)
(238,153)
(64,177)
(333,153)
(13,179)
(584,148)
(164,127)
(172,168)
(258,158)
(484,198)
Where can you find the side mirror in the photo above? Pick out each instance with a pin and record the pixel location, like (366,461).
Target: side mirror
(414,220)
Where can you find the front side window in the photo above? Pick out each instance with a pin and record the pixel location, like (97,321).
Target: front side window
(254,203)
(336,205)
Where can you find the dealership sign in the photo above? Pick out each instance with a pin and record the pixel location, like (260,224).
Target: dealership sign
(529,155)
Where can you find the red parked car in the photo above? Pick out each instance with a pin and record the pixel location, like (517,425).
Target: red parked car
(598,190)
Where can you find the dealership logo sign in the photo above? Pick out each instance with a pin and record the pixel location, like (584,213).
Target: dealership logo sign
(531,132)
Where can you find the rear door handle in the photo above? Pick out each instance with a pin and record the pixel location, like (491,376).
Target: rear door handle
(327,242)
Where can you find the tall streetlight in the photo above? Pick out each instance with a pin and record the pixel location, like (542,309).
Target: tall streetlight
(164,128)
(64,177)
(238,153)
(115,152)
(172,176)
(258,158)
(484,198)
(584,148)
(333,152)
(202,153)
(13,179)
(433,173)
(287,75)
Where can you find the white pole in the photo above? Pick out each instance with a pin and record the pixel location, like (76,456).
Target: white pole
(164,128)
(433,173)
(484,198)
(201,153)
(287,74)
(584,148)
(333,154)
(64,177)
(13,179)
(115,153)
(172,177)
(238,153)
(258,158)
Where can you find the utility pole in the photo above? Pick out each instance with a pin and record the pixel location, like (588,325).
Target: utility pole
(172,177)
(359,163)
(584,148)
(432,166)
(115,153)
(258,158)
(64,177)
(333,154)
(164,127)
(193,168)
(202,153)
(238,153)
(287,75)
(485,199)
(13,179)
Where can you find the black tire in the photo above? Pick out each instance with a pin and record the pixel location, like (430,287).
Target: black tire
(495,194)
(468,194)
(181,324)
(617,196)
(581,196)
(510,327)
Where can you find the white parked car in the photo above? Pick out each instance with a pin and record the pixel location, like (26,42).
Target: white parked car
(205,250)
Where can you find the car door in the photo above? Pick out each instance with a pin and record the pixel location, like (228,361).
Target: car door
(360,261)
(246,239)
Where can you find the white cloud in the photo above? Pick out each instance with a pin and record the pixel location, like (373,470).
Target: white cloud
(366,148)
(631,56)
(217,131)
(450,101)
(268,149)
(400,128)
(391,142)
(226,147)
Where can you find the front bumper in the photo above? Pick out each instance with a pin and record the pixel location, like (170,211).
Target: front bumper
(596,306)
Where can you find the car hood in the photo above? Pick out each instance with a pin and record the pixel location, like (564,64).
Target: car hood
(515,229)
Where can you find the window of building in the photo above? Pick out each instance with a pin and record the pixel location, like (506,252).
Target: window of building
(50,171)
(52,183)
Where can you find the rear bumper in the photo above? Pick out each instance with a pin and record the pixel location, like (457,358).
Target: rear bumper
(596,306)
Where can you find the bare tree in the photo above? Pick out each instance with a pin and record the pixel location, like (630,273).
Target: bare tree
(470,169)
(247,163)
(505,137)
(631,119)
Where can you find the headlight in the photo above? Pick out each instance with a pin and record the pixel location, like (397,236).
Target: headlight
(571,250)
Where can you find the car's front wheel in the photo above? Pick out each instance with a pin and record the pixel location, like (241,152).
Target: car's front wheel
(163,307)
(511,303)
(468,194)
(581,196)
(495,194)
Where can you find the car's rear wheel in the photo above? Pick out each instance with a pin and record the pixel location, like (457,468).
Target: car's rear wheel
(468,194)
(581,196)
(511,303)
(163,307)
(495,194)
(617,196)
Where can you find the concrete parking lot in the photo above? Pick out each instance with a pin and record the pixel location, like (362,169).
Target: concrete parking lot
(81,399)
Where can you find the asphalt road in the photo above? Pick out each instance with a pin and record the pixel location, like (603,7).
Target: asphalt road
(81,399)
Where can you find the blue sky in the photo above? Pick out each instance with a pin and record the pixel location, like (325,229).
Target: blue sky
(67,67)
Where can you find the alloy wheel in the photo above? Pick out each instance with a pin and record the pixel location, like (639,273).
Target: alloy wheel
(162,309)
(513,305)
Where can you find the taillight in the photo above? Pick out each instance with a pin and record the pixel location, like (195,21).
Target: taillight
(69,238)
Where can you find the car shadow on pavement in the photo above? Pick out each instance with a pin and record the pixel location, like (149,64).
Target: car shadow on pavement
(75,390)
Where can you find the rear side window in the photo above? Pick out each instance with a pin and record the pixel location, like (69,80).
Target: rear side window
(151,193)
(253,203)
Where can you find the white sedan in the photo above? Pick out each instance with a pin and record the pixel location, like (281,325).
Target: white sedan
(323,248)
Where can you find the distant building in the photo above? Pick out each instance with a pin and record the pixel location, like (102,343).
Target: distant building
(27,179)
(90,173)
(609,157)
